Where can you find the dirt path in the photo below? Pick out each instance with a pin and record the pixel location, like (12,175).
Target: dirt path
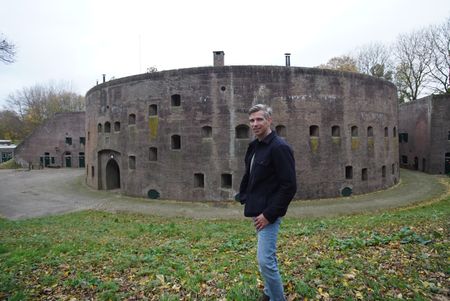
(26,194)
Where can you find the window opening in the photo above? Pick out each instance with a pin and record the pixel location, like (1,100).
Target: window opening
(176,142)
(69,140)
(175,100)
(117,126)
(354,131)
(199,180)
(314,131)
(281,130)
(348,172)
(132,162)
(364,174)
(335,131)
(152,110)
(226,180)
(206,132)
(242,131)
(107,127)
(153,154)
(132,119)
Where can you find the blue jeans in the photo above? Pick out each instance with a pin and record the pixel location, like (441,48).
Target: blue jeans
(267,260)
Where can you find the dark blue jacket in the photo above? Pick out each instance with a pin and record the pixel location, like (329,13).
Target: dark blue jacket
(272,184)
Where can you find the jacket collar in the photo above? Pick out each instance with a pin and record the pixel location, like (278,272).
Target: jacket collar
(266,139)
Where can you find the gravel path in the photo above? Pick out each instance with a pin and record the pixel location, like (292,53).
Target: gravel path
(27,194)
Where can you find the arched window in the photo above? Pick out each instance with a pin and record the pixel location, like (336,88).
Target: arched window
(370,131)
(107,127)
(354,131)
(386,132)
(281,130)
(206,132)
(176,142)
(117,126)
(242,131)
(153,154)
(132,119)
(314,131)
(99,128)
(335,131)
(175,100)
(152,110)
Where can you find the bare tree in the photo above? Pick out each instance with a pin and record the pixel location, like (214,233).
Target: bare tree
(439,40)
(36,104)
(7,51)
(341,63)
(374,59)
(413,54)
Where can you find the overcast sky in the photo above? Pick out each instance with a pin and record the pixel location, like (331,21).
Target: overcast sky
(77,41)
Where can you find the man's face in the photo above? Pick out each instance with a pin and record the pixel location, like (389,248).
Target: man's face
(260,124)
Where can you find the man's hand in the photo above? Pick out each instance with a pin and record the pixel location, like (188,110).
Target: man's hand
(260,222)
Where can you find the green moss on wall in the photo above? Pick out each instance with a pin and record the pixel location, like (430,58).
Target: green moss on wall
(153,126)
(336,140)
(314,144)
(355,143)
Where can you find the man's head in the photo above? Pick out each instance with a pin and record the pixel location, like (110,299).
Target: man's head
(260,117)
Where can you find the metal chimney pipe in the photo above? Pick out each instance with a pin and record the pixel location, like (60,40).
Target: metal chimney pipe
(288,59)
(104,77)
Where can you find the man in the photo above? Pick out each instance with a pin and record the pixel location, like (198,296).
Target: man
(267,188)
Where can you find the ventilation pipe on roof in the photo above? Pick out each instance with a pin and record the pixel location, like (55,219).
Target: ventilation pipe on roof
(288,59)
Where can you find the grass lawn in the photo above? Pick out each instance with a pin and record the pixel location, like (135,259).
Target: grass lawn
(401,254)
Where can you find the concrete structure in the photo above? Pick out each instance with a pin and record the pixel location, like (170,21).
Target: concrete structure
(182,134)
(424,134)
(59,142)
(6,150)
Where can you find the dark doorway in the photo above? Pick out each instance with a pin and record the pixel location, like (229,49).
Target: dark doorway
(81,160)
(68,160)
(447,163)
(416,163)
(112,175)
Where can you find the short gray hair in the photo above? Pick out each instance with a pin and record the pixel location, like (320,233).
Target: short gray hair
(261,107)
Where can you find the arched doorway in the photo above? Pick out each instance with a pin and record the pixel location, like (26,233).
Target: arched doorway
(112,175)
(68,159)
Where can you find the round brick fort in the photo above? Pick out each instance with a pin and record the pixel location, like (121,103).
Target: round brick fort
(182,134)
